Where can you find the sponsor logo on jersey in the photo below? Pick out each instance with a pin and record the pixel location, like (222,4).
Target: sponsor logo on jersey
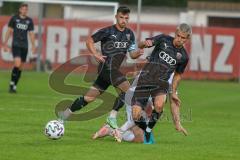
(22,26)
(167,58)
(120,44)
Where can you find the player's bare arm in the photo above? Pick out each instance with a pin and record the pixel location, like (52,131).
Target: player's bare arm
(32,39)
(92,49)
(174,96)
(175,105)
(145,44)
(175,111)
(136,54)
(6,38)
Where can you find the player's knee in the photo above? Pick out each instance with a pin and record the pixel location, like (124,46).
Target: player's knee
(124,86)
(17,63)
(159,109)
(136,113)
(159,106)
(136,116)
(89,98)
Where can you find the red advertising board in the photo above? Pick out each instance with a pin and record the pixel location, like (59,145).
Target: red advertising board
(214,52)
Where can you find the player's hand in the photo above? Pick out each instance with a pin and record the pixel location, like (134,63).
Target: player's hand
(100,58)
(180,128)
(6,48)
(148,43)
(176,99)
(139,53)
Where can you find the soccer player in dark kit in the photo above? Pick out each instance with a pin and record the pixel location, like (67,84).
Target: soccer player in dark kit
(167,57)
(19,26)
(116,41)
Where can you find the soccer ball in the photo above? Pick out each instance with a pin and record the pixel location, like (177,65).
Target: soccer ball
(54,129)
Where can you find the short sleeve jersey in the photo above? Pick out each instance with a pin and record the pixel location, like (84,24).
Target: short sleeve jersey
(21,27)
(115,44)
(165,58)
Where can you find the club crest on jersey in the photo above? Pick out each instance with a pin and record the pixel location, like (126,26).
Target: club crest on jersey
(165,45)
(27,21)
(128,36)
(17,20)
(179,55)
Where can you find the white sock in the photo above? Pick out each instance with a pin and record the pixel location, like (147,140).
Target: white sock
(128,136)
(127,125)
(67,113)
(148,129)
(113,114)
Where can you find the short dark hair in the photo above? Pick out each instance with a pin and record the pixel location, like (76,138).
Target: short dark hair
(123,9)
(23,5)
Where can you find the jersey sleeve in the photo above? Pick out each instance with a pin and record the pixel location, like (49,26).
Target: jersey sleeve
(31,26)
(99,35)
(132,46)
(155,40)
(182,65)
(11,22)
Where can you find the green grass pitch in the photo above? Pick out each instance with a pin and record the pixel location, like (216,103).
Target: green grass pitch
(211,112)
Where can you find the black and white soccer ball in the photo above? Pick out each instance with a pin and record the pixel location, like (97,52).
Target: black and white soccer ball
(54,129)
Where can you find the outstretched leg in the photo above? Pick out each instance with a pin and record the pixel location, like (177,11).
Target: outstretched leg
(80,102)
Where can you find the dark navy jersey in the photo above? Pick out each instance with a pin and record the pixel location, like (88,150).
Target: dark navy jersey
(165,59)
(21,27)
(115,44)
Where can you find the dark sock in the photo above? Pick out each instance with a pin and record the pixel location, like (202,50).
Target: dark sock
(147,135)
(14,75)
(141,123)
(18,76)
(78,104)
(119,102)
(154,118)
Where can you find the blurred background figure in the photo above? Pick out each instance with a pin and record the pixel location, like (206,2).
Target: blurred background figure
(19,26)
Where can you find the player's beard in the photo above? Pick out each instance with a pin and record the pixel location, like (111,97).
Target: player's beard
(179,44)
(122,25)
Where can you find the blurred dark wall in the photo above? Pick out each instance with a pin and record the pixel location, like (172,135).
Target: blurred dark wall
(9,8)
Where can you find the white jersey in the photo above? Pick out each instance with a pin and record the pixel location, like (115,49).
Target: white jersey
(129,95)
(128,134)
(171,79)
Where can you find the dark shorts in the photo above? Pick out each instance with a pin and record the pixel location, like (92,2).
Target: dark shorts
(109,77)
(20,52)
(143,91)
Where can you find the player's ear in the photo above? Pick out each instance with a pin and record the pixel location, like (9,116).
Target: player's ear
(176,32)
